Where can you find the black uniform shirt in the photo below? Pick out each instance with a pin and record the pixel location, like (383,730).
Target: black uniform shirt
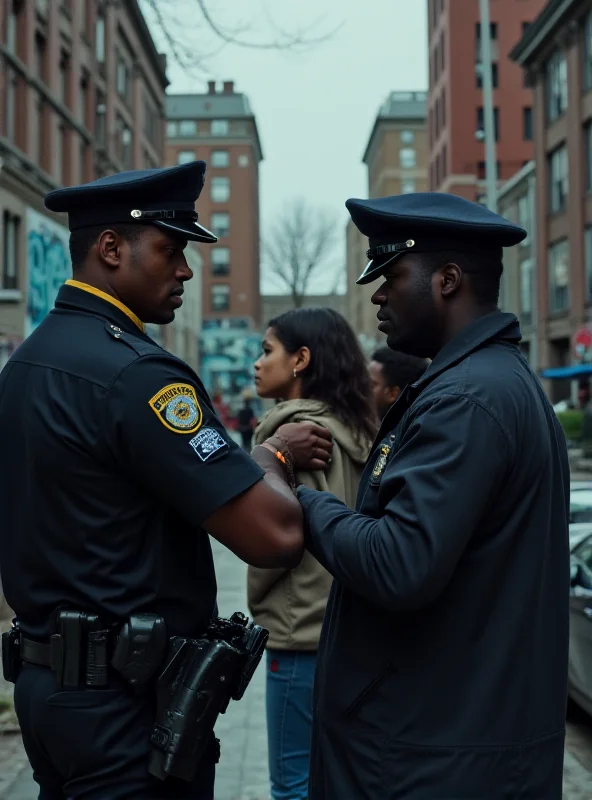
(112,457)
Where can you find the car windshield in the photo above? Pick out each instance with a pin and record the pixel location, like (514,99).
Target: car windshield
(580,505)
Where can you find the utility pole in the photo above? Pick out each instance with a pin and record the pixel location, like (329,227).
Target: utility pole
(488,118)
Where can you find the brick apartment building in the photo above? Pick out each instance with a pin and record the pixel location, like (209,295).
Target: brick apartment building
(455,105)
(397,160)
(556,56)
(220,128)
(82,91)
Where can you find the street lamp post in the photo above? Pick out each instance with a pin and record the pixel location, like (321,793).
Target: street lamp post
(488,118)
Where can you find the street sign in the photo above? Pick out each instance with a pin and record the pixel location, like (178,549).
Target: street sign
(582,343)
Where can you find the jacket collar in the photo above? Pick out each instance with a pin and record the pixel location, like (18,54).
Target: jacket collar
(82,297)
(497,326)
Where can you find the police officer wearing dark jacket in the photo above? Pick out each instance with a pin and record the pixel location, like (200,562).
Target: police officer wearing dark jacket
(442,667)
(116,466)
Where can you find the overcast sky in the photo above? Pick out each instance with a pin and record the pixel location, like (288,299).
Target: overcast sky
(314,110)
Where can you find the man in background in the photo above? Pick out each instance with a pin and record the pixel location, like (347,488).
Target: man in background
(390,372)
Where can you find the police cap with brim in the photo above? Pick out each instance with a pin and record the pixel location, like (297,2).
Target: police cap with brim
(427,222)
(162,197)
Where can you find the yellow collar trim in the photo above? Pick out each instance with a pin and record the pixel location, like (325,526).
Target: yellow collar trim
(104,296)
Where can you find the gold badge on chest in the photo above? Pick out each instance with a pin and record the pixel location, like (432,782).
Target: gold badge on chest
(381,461)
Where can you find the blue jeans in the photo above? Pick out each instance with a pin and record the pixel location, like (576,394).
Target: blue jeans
(290,676)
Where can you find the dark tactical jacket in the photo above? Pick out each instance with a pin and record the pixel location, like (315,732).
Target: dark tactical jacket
(442,666)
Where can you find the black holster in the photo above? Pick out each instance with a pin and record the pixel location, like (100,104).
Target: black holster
(199,679)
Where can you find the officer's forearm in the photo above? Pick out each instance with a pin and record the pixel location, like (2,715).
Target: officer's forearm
(275,473)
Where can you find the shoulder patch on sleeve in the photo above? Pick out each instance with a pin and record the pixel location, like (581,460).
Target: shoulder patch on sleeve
(207,442)
(177,407)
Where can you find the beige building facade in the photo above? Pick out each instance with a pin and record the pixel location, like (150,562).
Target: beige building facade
(396,157)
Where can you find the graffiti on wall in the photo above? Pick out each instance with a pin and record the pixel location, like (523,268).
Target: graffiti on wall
(49,265)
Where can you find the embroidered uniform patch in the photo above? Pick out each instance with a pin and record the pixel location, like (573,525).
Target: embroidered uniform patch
(177,407)
(207,442)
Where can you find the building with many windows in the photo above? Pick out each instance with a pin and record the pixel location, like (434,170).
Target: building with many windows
(82,91)
(219,128)
(397,160)
(455,105)
(556,56)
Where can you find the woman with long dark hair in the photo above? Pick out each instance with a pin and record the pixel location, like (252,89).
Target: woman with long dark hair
(312,363)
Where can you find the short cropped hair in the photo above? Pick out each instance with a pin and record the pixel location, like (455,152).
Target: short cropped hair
(398,368)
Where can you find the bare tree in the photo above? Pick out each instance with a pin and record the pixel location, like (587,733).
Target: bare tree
(192,33)
(300,246)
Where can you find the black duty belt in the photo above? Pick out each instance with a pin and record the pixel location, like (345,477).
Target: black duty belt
(36,652)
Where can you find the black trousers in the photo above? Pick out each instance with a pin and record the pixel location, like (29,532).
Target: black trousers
(93,744)
(247,437)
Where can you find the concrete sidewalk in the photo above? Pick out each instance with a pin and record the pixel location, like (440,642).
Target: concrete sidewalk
(242,771)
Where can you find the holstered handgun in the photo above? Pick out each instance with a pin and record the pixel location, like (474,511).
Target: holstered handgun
(200,678)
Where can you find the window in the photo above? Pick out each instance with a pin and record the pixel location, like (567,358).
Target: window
(220,297)
(559,276)
(172,130)
(100,38)
(10,107)
(220,158)
(151,122)
(407,137)
(185,156)
(482,170)
(220,191)
(556,86)
(220,224)
(63,78)
(588,149)
(527,124)
(588,257)
(219,127)
(124,143)
(10,237)
(558,180)
(587,59)
(82,96)
(481,121)
(187,128)
(12,25)
(126,147)
(524,217)
(407,157)
(243,160)
(123,78)
(526,291)
(39,63)
(494,75)
(101,119)
(494,43)
(407,186)
(220,261)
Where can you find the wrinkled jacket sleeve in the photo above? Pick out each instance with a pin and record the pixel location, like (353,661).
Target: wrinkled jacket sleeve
(436,490)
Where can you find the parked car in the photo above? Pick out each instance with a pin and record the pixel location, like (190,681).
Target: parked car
(580,612)
(580,501)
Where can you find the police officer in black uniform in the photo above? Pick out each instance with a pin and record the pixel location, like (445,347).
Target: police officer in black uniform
(114,467)
(442,668)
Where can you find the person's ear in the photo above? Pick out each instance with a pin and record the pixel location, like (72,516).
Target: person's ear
(450,279)
(109,248)
(302,359)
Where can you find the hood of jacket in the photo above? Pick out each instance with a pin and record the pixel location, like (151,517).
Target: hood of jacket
(319,413)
